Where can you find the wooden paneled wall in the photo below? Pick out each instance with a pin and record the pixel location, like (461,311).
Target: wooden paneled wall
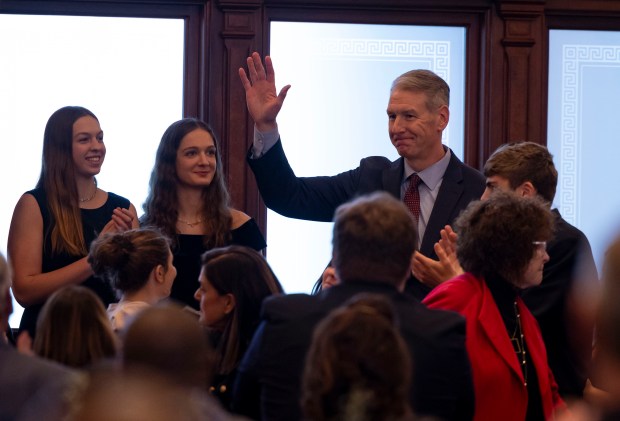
(506,65)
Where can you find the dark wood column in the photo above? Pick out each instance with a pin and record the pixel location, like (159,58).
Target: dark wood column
(518,100)
(240,35)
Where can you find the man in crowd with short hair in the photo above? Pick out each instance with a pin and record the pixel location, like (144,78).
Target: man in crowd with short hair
(374,238)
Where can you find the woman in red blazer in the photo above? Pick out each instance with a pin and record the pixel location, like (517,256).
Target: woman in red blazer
(501,247)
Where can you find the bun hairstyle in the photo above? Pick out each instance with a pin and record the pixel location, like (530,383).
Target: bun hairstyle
(126,259)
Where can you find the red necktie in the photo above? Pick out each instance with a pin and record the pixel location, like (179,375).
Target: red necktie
(412,196)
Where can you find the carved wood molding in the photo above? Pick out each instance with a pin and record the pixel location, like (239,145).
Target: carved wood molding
(240,34)
(523,33)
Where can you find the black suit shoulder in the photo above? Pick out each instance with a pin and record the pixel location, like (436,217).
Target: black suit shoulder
(429,322)
(280,308)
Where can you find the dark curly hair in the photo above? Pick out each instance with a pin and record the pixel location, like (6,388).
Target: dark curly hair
(495,236)
(161,205)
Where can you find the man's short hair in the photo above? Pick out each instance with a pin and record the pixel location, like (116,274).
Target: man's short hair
(374,238)
(525,161)
(427,82)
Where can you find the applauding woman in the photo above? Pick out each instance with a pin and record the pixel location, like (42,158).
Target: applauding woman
(54,224)
(188,202)
(501,246)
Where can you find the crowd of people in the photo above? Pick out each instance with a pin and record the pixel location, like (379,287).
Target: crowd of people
(451,294)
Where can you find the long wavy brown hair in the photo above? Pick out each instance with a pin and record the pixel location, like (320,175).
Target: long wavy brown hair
(161,205)
(58,180)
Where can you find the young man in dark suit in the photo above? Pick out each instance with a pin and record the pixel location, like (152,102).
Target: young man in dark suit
(374,238)
(418,112)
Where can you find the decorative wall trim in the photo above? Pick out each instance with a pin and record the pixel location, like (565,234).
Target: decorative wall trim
(574,59)
(435,53)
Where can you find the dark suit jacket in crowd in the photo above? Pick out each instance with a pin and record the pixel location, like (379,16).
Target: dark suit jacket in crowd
(316,198)
(269,378)
(568,347)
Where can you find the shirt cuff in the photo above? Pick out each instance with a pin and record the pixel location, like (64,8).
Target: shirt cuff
(263,141)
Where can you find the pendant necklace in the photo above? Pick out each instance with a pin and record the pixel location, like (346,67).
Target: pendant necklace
(190,224)
(518,343)
(88,199)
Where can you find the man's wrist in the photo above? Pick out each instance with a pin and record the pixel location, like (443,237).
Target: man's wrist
(263,141)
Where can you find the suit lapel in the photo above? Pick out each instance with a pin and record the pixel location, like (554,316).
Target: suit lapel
(450,191)
(495,330)
(392,178)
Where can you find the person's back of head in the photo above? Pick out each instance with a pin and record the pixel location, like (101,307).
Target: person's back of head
(167,339)
(73,328)
(374,238)
(140,395)
(525,161)
(126,259)
(358,366)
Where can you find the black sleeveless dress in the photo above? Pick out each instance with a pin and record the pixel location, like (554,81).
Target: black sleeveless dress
(188,250)
(93,221)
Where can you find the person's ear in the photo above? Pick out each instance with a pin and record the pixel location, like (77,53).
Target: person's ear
(526,189)
(443,117)
(230,303)
(159,272)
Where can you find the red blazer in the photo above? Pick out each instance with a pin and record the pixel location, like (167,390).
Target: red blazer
(496,371)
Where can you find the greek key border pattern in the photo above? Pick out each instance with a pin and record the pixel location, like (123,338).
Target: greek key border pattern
(435,53)
(574,59)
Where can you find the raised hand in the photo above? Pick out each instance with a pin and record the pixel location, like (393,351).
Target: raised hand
(260,92)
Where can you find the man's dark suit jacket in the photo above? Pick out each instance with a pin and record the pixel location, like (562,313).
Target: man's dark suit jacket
(568,347)
(268,383)
(316,198)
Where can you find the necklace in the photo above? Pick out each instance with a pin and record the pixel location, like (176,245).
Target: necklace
(190,224)
(518,343)
(88,199)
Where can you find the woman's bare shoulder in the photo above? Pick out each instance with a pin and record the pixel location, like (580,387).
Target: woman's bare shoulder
(238,218)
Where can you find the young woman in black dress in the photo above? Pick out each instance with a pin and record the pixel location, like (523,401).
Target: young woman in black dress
(188,201)
(54,224)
